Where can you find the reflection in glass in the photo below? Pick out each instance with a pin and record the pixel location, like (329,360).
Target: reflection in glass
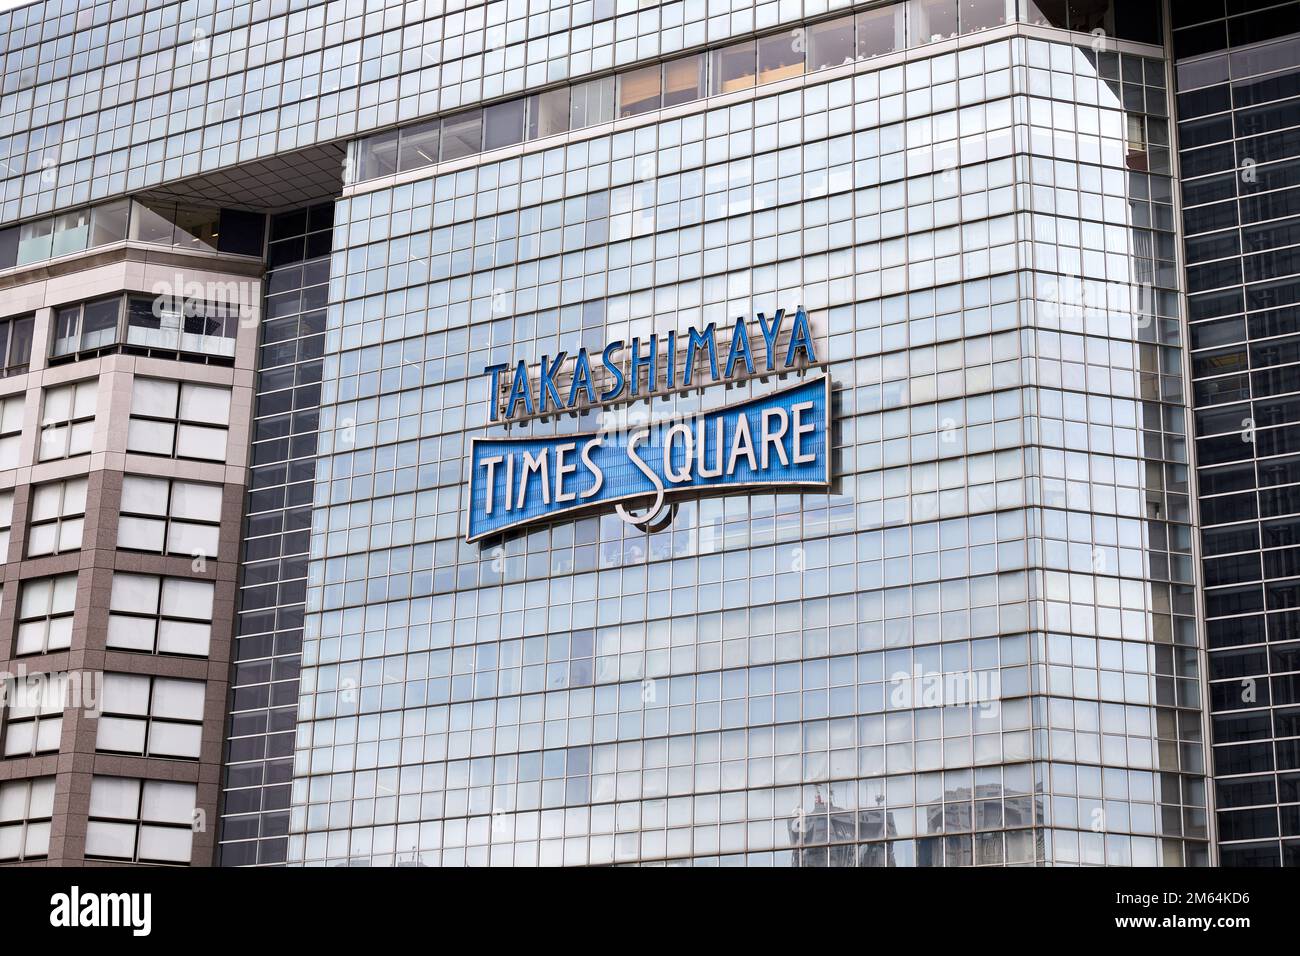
(830,44)
(780,56)
(639,91)
(1048,13)
(108,222)
(984,14)
(35,240)
(377,156)
(71,232)
(931,20)
(732,68)
(503,124)
(419,146)
(99,323)
(153,222)
(16,344)
(197,228)
(880,31)
(684,80)
(548,113)
(593,103)
(462,135)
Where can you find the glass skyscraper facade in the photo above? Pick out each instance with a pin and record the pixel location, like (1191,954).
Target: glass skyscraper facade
(1038,616)
(1238,112)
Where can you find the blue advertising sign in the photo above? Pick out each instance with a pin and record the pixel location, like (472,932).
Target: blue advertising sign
(781,439)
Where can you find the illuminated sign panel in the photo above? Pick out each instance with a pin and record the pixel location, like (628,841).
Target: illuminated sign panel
(777,441)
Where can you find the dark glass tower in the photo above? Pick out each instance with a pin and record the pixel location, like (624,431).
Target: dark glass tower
(1238,109)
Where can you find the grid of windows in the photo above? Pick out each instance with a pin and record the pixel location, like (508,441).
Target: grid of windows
(178,419)
(192,106)
(168,516)
(145,821)
(772,57)
(984,242)
(152,716)
(68,420)
(26,808)
(58,517)
(1238,111)
(268,644)
(160,615)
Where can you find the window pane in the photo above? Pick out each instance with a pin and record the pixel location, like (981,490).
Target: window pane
(779,57)
(638,91)
(108,222)
(167,844)
(192,500)
(732,68)
(114,840)
(120,734)
(830,44)
(134,592)
(932,20)
(167,802)
(208,444)
(462,135)
(99,323)
(145,496)
(66,322)
(503,124)
(982,14)
(152,223)
(130,633)
(548,113)
(1051,13)
(377,156)
(19,351)
(880,31)
(35,241)
(154,397)
(193,539)
(126,694)
(115,797)
(205,403)
(140,534)
(185,598)
(197,228)
(684,80)
(419,146)
(71,232)
(593,103)
(183,637)
(178,699)
(175,740)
